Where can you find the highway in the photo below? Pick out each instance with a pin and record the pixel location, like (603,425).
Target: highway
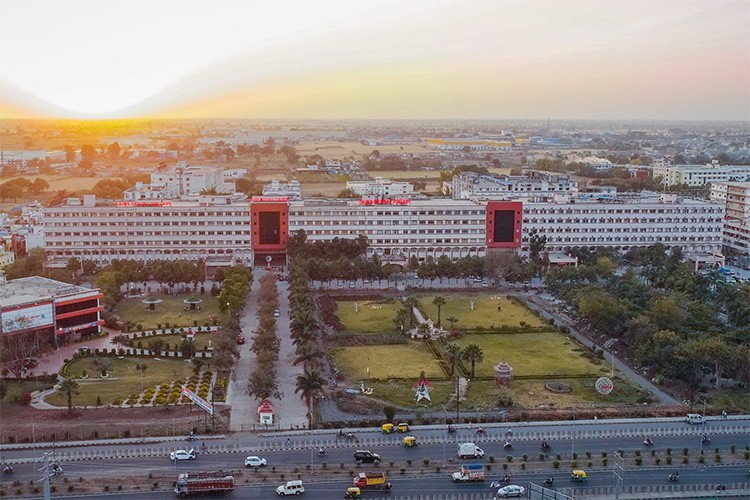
(139,460)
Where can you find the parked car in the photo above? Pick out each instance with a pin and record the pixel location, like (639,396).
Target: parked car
(254,461)
(510,491)
(276,313)
(183,455)
(240,339)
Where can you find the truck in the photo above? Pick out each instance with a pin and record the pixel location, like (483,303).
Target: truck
(469,472)
(203,483)
(372,481)
(469,450)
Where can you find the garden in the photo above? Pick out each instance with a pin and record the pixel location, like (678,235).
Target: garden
(368,316)
(171,310)
(490,311)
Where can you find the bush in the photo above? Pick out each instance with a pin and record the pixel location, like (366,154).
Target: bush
(658,461)
(408,461)
(426,461)
(685,451)
(491,458)
(701,459)
(605,461)
(717,458)
(685,460)
(669,451)
(402,470)
(509,458)
(669,459)
(556,464)
(638,460)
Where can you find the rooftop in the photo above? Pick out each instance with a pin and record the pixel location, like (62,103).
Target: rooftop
(33,289)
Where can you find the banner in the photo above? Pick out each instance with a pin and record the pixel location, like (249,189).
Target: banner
(198,400)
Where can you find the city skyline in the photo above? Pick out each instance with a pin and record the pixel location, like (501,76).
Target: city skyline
(379,59)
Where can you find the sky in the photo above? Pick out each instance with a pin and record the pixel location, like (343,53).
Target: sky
(329,59)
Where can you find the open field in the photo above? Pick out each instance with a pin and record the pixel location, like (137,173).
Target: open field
(400,393)
(339,150)
(171,311)
(60,182)
(531,354)
(373,316)
(123,379)
(484,315)
(386,361)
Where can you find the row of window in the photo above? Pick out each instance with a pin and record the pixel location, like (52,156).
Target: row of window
(531,210)
(693,229)
(302,214)
(161,243)
(666,220)
(148,223)
(146,213)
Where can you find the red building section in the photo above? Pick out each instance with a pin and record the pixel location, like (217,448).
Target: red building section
(504,220)
(270,229)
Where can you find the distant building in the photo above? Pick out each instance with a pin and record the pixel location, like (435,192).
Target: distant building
(380,188)
(180,181)
(291,190)
(470,185)
(700,175)
(736,198)
(474,144)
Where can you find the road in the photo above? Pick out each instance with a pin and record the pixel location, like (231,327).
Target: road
(565,438)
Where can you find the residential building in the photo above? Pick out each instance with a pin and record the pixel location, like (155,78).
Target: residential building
(380,188)
(700,175)
(536,184)
(736,198)
(291,190)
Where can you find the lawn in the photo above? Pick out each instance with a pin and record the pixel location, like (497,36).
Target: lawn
(386,361)
(15,389)
(171,311)
(374,316)
(531,354)
(201,340)
(123,378)
(485,313)
(400,393)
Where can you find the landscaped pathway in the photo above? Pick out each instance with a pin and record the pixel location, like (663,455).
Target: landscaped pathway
(291,411)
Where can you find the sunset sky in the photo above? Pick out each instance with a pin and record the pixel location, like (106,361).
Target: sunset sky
(568,59)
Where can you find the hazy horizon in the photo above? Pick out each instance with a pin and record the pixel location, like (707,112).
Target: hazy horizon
(382,59)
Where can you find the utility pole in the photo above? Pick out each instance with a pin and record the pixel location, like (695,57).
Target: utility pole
(45,479)
(619,472)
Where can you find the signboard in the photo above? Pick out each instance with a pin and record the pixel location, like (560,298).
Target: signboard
(198,400)
(27,318)
(267,199)
(143,203)
(604,385)
(79,327)
(393,201)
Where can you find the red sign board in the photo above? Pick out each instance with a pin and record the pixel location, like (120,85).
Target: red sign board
(393,201)
(159,203)
(269,199)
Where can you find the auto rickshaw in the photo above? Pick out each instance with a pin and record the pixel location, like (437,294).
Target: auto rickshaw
(387,428)
(353,492)
(410,442)
(403,427)
(578,476)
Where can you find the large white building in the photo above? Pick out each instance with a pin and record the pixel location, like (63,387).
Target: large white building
(380,188)
(736,198)
(470,185)
(182,180)
(291,189)
(700,175)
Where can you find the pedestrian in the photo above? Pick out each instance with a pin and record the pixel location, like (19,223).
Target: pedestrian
(288,441)
(203,447)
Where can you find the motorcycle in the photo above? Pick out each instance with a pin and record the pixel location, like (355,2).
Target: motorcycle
(322,452)
(8,469)
(549,481)
(545,446)
(480,431)
(506,478)
(57,470)
(648,442)
(674,477)
(451,430)
(508,445)
(706,440)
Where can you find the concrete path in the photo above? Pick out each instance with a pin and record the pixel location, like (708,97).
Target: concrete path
(542,308)
(291,411)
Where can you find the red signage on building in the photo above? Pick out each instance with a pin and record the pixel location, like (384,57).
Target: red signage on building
(269,199)
(393,201)
(159,203)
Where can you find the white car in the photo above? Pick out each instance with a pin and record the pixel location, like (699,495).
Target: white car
(290,488)
(276,313)
(255,462)
(510,491)
(182,455)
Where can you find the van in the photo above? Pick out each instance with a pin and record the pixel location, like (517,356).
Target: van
(290,488)
(467,450)
(694,418)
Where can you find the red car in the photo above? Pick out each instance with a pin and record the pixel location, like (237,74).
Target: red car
(240,339)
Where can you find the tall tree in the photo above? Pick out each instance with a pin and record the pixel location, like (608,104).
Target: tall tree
(473,354)
(69,388)
(309,385)
(439,302)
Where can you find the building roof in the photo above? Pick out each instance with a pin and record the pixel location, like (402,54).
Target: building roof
(35,289)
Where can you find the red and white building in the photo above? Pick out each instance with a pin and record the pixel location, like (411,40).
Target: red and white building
(64,311)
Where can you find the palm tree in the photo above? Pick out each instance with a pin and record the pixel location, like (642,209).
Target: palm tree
(310,383)
(69,387)
(453,356)
(308,355)
(452,320)
(473,354)
(438,301)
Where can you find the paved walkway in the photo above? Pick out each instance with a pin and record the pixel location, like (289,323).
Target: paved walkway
(52,362)
(291,411)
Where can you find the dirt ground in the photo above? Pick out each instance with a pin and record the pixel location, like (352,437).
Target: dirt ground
(26,424)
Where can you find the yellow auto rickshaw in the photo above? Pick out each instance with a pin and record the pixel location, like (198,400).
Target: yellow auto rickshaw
(410,442)
(578,476)
(387,428)
(403,427)
(353,492)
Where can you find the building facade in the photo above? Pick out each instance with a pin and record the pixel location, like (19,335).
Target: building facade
(736,198)
(470,185)
(380,188)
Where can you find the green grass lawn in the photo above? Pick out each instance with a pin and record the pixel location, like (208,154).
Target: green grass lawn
(15,389)
(534,353)
(484,315)
(387,361)
(733,400)
(171,311)
(373,316)
(201,340)
(124,378)
(400,393)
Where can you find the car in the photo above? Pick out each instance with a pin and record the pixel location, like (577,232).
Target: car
(512,490)
(366,457)
(254,461)
(183,455)
(276,313)
(290,488)
(366,282)
(84,350)
(240,339)
(352,285)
